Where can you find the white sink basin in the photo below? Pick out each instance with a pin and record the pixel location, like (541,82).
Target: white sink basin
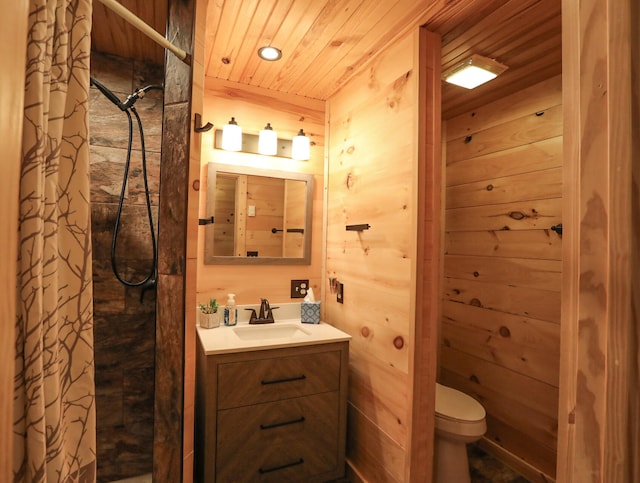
(270,331)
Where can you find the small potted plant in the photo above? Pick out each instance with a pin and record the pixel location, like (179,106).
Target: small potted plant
(209,315)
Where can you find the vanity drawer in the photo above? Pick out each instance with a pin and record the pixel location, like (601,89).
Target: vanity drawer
(291,440)
(273,379)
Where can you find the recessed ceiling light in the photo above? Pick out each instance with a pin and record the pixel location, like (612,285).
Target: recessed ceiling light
(269,53)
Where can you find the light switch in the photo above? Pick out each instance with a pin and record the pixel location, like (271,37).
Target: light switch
(251,210)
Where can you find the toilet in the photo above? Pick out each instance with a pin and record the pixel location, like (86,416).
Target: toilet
(460,419)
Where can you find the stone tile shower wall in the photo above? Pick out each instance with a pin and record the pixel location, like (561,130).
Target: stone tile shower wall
(124,326)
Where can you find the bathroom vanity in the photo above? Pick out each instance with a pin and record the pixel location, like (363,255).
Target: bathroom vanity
(271,403)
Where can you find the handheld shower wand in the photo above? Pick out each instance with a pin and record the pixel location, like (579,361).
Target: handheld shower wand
(128,108)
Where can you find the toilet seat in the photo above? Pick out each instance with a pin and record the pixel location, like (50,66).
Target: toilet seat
(454,405)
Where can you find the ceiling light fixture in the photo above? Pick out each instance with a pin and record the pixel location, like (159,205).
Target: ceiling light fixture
(474,71)
(269,53)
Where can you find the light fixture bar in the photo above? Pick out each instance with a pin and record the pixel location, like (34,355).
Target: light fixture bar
(250,143)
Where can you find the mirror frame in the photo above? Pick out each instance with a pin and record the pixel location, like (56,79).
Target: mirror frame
(210,259)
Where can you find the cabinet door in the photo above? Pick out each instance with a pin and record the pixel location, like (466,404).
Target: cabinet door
(290,440)
(272,379)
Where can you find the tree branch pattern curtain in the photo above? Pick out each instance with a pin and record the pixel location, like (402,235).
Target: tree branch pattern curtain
(54,396)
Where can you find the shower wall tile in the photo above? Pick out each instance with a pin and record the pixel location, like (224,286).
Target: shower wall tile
(114,72)
(107,175)
(173,210)
(124,327)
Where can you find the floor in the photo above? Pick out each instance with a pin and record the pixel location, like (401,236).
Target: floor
(136,479)
(485,469)
(482,467)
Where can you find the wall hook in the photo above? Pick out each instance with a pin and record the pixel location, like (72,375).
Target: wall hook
(364,226)
(197,124)
(557,228)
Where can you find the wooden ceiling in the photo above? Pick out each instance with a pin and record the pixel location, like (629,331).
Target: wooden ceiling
(324,42)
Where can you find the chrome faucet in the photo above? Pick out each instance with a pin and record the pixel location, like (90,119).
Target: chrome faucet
(265,315)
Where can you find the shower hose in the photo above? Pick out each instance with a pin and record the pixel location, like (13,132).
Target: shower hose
(127,106)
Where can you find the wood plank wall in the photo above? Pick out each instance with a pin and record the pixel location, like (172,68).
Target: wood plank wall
(197,100)
(372,178)
(500,333)
(599,435)
(253,107)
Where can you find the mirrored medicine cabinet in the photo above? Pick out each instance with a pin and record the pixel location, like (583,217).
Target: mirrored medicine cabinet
(261,216)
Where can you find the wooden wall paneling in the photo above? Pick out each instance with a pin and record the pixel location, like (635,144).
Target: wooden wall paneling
(253,107)
(537,303)
(503,269)
(13,32)
(538,244)
(525,215)
(634,371)
(534,156)
(533,127)
(522,187)
(370,183)
(193,213)
(594,416)
(428,258)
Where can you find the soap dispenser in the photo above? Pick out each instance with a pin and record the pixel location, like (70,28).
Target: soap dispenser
(230,310)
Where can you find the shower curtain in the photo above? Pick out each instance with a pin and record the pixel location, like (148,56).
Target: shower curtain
(54,395)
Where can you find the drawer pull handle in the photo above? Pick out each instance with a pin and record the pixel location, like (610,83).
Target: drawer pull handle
(284,423)
(262,471)
(279,381)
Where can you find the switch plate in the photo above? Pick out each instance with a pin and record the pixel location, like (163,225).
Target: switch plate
(251,210)
(299,288)
(340,293)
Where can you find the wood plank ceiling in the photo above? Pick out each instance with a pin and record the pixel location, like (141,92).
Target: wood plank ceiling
(324,42)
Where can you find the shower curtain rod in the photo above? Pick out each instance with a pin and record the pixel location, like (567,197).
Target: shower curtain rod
(138,23)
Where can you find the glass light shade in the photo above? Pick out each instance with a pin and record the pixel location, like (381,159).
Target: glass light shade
(232,136)
(474,71)
(301,147)
(268,141)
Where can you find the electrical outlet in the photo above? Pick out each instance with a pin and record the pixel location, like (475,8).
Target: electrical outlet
(299,288)
(340,293)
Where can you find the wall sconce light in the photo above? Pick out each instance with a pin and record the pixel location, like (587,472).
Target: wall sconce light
(268,141)
(232,136)
(301,147)
(474,71)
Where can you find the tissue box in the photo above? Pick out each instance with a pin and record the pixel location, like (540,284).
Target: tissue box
(310,313)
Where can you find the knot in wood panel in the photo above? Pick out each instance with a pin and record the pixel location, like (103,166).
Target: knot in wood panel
(504,331)
(517,215)
(489,187)
(350,181)
(365,332)
(398,342)
(475,302)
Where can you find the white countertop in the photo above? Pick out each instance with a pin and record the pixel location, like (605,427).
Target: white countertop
(224,339)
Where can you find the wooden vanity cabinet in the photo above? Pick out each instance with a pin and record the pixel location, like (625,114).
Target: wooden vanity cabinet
(273,415)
